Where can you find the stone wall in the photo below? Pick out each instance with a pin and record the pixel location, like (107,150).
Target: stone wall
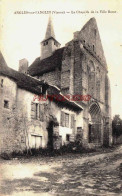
(50,111)
(66,69)
(18,124)
(90,36)
(48,47)
(53,77)
(79,80)
(8,124)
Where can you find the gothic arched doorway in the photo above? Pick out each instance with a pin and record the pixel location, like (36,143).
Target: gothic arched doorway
(94,123)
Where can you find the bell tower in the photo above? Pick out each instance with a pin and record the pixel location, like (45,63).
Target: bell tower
(49,44)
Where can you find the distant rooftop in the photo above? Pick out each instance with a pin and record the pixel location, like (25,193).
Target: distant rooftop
(39,66)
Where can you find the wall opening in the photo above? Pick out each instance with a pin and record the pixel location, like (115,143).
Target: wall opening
(6,104)
(94,124)
(2,83)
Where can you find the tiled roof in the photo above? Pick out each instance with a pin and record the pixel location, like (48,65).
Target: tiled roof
(23,81)
(62,100)
(33,85)
(39,67)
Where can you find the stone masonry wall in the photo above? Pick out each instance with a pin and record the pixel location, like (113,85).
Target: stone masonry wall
(65,71)
(8,126)
(53,77)
(17,124)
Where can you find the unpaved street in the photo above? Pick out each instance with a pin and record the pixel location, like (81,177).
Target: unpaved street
(68,175)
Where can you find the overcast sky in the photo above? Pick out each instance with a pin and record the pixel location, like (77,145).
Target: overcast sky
(21,34)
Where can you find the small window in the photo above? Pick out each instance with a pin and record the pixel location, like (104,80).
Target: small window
(67,137)
(95,32)
(6,104)
(36,141)
(55,44)
(1,82)
(45,43)
(93,47)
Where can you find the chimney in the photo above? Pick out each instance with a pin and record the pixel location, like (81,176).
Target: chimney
(23,66)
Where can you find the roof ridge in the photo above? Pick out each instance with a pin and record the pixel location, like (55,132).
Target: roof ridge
(91,19)
(3,64)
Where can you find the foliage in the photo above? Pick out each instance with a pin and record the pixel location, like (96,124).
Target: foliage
(72,147)
(117,126)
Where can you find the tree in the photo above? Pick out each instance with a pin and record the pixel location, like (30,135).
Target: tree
(117,126)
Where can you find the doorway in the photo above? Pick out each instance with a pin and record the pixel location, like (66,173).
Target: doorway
(95,124)
(50,135)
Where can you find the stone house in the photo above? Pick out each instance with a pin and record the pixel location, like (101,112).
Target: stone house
(26,121)
(79,68)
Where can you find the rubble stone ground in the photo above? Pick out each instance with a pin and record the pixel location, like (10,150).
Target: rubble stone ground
(96,173)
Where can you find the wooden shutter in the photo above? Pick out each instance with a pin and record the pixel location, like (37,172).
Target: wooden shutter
(72,120)
(62,121)
(41,112)
(66,120)
(38,111)
(33,110)
(74,128)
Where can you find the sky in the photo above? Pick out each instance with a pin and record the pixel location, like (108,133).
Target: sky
(21,34)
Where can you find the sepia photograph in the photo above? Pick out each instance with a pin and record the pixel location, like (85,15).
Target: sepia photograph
(60,98)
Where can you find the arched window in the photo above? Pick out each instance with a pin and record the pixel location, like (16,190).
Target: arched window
(98,83)
(95,32)
(91,79)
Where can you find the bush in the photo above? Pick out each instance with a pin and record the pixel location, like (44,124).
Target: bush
(5,156)
(72,147)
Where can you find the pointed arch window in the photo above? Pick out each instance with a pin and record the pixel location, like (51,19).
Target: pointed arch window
(91,78)
(95,32)
(98,83)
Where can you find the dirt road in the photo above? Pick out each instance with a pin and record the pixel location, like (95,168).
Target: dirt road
(68,175)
